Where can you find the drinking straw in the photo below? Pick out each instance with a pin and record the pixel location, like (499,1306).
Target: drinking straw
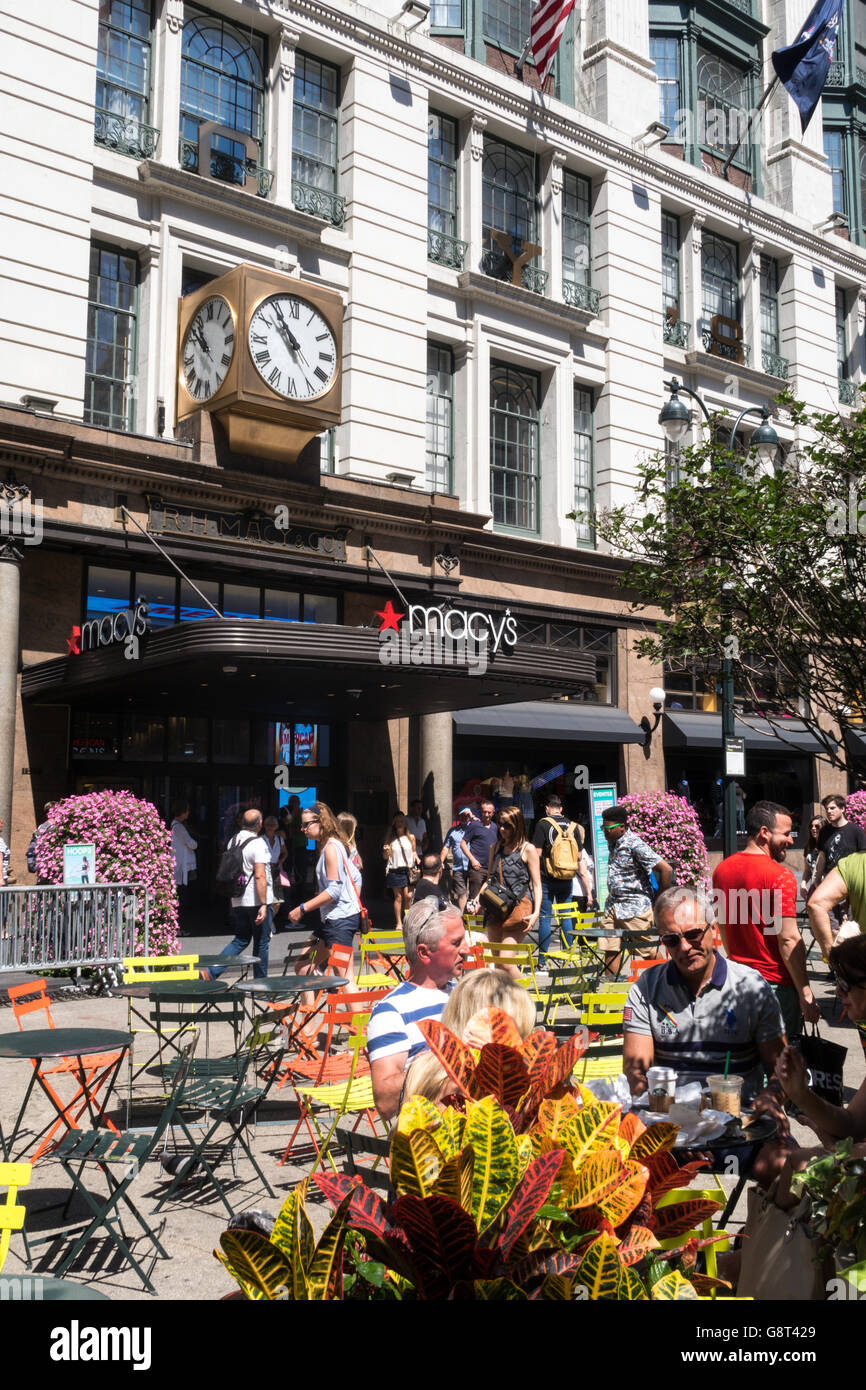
(727,1062)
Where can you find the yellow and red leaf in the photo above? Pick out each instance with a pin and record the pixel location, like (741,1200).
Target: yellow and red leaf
(591,1129)
(530,1196)
(554,1115)
(618,1205)
(675,1220)
(596,1178)
(657,1137)
(600,1270)
(456,1058)
(639,1242)
(500,1073)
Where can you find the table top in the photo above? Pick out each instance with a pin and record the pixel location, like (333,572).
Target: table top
(291,984)
(26,1287)
(226,962)
(189,989)
(63,1042)
(762,1128)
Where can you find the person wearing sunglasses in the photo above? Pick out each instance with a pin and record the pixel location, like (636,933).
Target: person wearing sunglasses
(697,1009)
(335,909)
(832,1122)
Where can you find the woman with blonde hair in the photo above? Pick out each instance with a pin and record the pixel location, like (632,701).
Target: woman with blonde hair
(401,854)
(481,989)
(338,900)
(349,826)
(514,876)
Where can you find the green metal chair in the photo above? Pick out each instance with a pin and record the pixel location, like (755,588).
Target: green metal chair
(218,1086)
(566,986)
(110,1151)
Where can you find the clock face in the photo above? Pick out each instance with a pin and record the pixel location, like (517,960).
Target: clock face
(292,347)
(208,347)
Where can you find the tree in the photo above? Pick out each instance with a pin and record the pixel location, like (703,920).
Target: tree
(767,569)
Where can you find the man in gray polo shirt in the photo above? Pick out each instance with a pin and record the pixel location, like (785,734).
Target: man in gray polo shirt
(696,1008)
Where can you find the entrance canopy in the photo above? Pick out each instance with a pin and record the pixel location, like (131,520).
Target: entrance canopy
(569,721)
(323,670)
(692,729)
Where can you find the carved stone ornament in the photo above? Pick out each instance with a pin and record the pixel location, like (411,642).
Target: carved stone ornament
(697,228)
(557,164)
(477,127)
(174,15)
(289,40)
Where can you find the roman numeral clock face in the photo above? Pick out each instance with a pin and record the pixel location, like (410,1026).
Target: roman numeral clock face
(208,347)
(292,347)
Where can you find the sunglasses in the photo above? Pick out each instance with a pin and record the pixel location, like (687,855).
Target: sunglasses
(845,986)
(313,821)
(673,941)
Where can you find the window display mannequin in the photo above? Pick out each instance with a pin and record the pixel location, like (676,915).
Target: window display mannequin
(506,790)
(525,799)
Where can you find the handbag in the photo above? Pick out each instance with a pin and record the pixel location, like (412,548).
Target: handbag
(501,899)
(824,1063)
(778,1261)
(414,869)
(364,914)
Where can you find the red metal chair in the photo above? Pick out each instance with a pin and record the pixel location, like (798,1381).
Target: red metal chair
(32,997)
(639,966)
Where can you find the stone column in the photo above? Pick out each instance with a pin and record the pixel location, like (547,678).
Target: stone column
(279,157)
(10,588)
(471,198)
(435,770)
(166,86)
(751,317)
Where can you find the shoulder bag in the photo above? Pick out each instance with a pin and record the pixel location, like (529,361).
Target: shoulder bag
(779,1257)
(499,899)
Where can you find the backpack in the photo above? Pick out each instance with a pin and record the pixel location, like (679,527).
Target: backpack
(231,881)
(31,854)
(563,857)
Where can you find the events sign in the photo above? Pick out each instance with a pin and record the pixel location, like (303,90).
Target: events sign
(601,795)
(79,864)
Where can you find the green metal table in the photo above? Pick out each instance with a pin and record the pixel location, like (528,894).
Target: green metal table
(36,1288)
(79,1043)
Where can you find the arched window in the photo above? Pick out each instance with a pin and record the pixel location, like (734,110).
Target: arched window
(222,80)
(723,105)
(514,447)
(508,202)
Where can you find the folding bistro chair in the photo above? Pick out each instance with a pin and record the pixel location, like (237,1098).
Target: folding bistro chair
(146,971)
(637,967)
(519,954)
(90,1073)
(386,952)
(227,1100)
(302,1028)
(566,987)
(342,1083)
(13,1176)
(109,1152)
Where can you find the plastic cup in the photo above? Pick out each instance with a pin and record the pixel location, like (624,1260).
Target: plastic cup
(725,1093)
(661,1085)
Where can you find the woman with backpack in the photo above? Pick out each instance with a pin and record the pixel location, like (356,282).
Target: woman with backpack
(511,895)
(338,901)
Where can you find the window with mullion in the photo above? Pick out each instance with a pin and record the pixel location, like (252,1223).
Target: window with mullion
(446,14)
(111,339)
(584,467)
(842,335)
(123,58)
(720,289)
(508,180)
(769,305)
(316,122)
(222,80)
(506,22)
(514,447)
(442,174)
(665,54)
(834,149)
(671,266)
(723,104)
(440,418)
(576,229)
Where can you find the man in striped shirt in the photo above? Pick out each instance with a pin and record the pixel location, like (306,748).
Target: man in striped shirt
(436,948)
(697,1008)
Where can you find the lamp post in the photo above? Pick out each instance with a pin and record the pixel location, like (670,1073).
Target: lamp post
(675,419)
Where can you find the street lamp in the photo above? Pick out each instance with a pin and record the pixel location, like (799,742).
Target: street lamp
(675,418)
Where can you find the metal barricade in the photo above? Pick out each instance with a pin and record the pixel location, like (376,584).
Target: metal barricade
(54,926)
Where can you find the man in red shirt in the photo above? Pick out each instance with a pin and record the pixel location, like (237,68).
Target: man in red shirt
(756,902)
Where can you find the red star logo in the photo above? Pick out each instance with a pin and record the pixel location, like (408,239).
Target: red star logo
(390,617)
(73,643)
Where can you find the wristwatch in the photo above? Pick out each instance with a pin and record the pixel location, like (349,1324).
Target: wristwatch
(302,909)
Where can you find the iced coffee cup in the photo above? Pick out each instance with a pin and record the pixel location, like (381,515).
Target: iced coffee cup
(661,1087)
(725,1093)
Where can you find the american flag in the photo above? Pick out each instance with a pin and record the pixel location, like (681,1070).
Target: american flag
(549,19)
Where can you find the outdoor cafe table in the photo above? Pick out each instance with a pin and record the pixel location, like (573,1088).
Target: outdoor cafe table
(589,935)
(289,987)
(762,1128)
(46,1043)
(242,963)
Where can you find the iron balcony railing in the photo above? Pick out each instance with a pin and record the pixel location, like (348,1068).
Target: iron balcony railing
(847,391)
(58,926)
(676,333)
(735,351)
(125,134)
(774,364)
(318,202)
(445,250)
(496,264)
(581,296)
(228,168)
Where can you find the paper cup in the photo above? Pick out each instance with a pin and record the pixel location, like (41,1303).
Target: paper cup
(661,1086)
(725,1093)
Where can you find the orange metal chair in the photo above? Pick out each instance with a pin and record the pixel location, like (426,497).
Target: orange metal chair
(343,1011)
(639,966)
(305,1032)
(475,960)
(32,997)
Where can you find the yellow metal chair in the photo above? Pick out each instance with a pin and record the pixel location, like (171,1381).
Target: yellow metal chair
(352,1095)
(569,919)
(603,1009)
(696,1194)
(12,1176)
(151,970)
(388,949)
(599,1062)
(501,953)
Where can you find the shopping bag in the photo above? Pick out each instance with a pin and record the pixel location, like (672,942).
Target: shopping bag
(824,1062)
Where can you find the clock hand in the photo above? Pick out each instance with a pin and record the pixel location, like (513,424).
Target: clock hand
(202,340)
(287,332)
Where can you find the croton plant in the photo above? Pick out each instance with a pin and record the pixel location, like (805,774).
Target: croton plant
(522,1186)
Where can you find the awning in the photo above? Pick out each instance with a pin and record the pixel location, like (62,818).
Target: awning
(855,742)
(692,729)
(568,721)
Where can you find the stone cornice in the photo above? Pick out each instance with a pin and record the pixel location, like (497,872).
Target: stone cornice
(471,284)
(473,85)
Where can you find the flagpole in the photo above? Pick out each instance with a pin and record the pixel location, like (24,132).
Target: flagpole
(518,66)
(757,111)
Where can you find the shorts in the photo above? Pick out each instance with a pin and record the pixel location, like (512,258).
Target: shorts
(340,933)
(476,878)
(459,886)
(397,878)
(644,946)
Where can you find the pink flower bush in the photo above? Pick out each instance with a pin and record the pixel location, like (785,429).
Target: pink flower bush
(855,809)
(670,826)
(132,846)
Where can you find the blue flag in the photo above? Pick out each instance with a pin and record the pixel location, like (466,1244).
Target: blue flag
(802,67)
